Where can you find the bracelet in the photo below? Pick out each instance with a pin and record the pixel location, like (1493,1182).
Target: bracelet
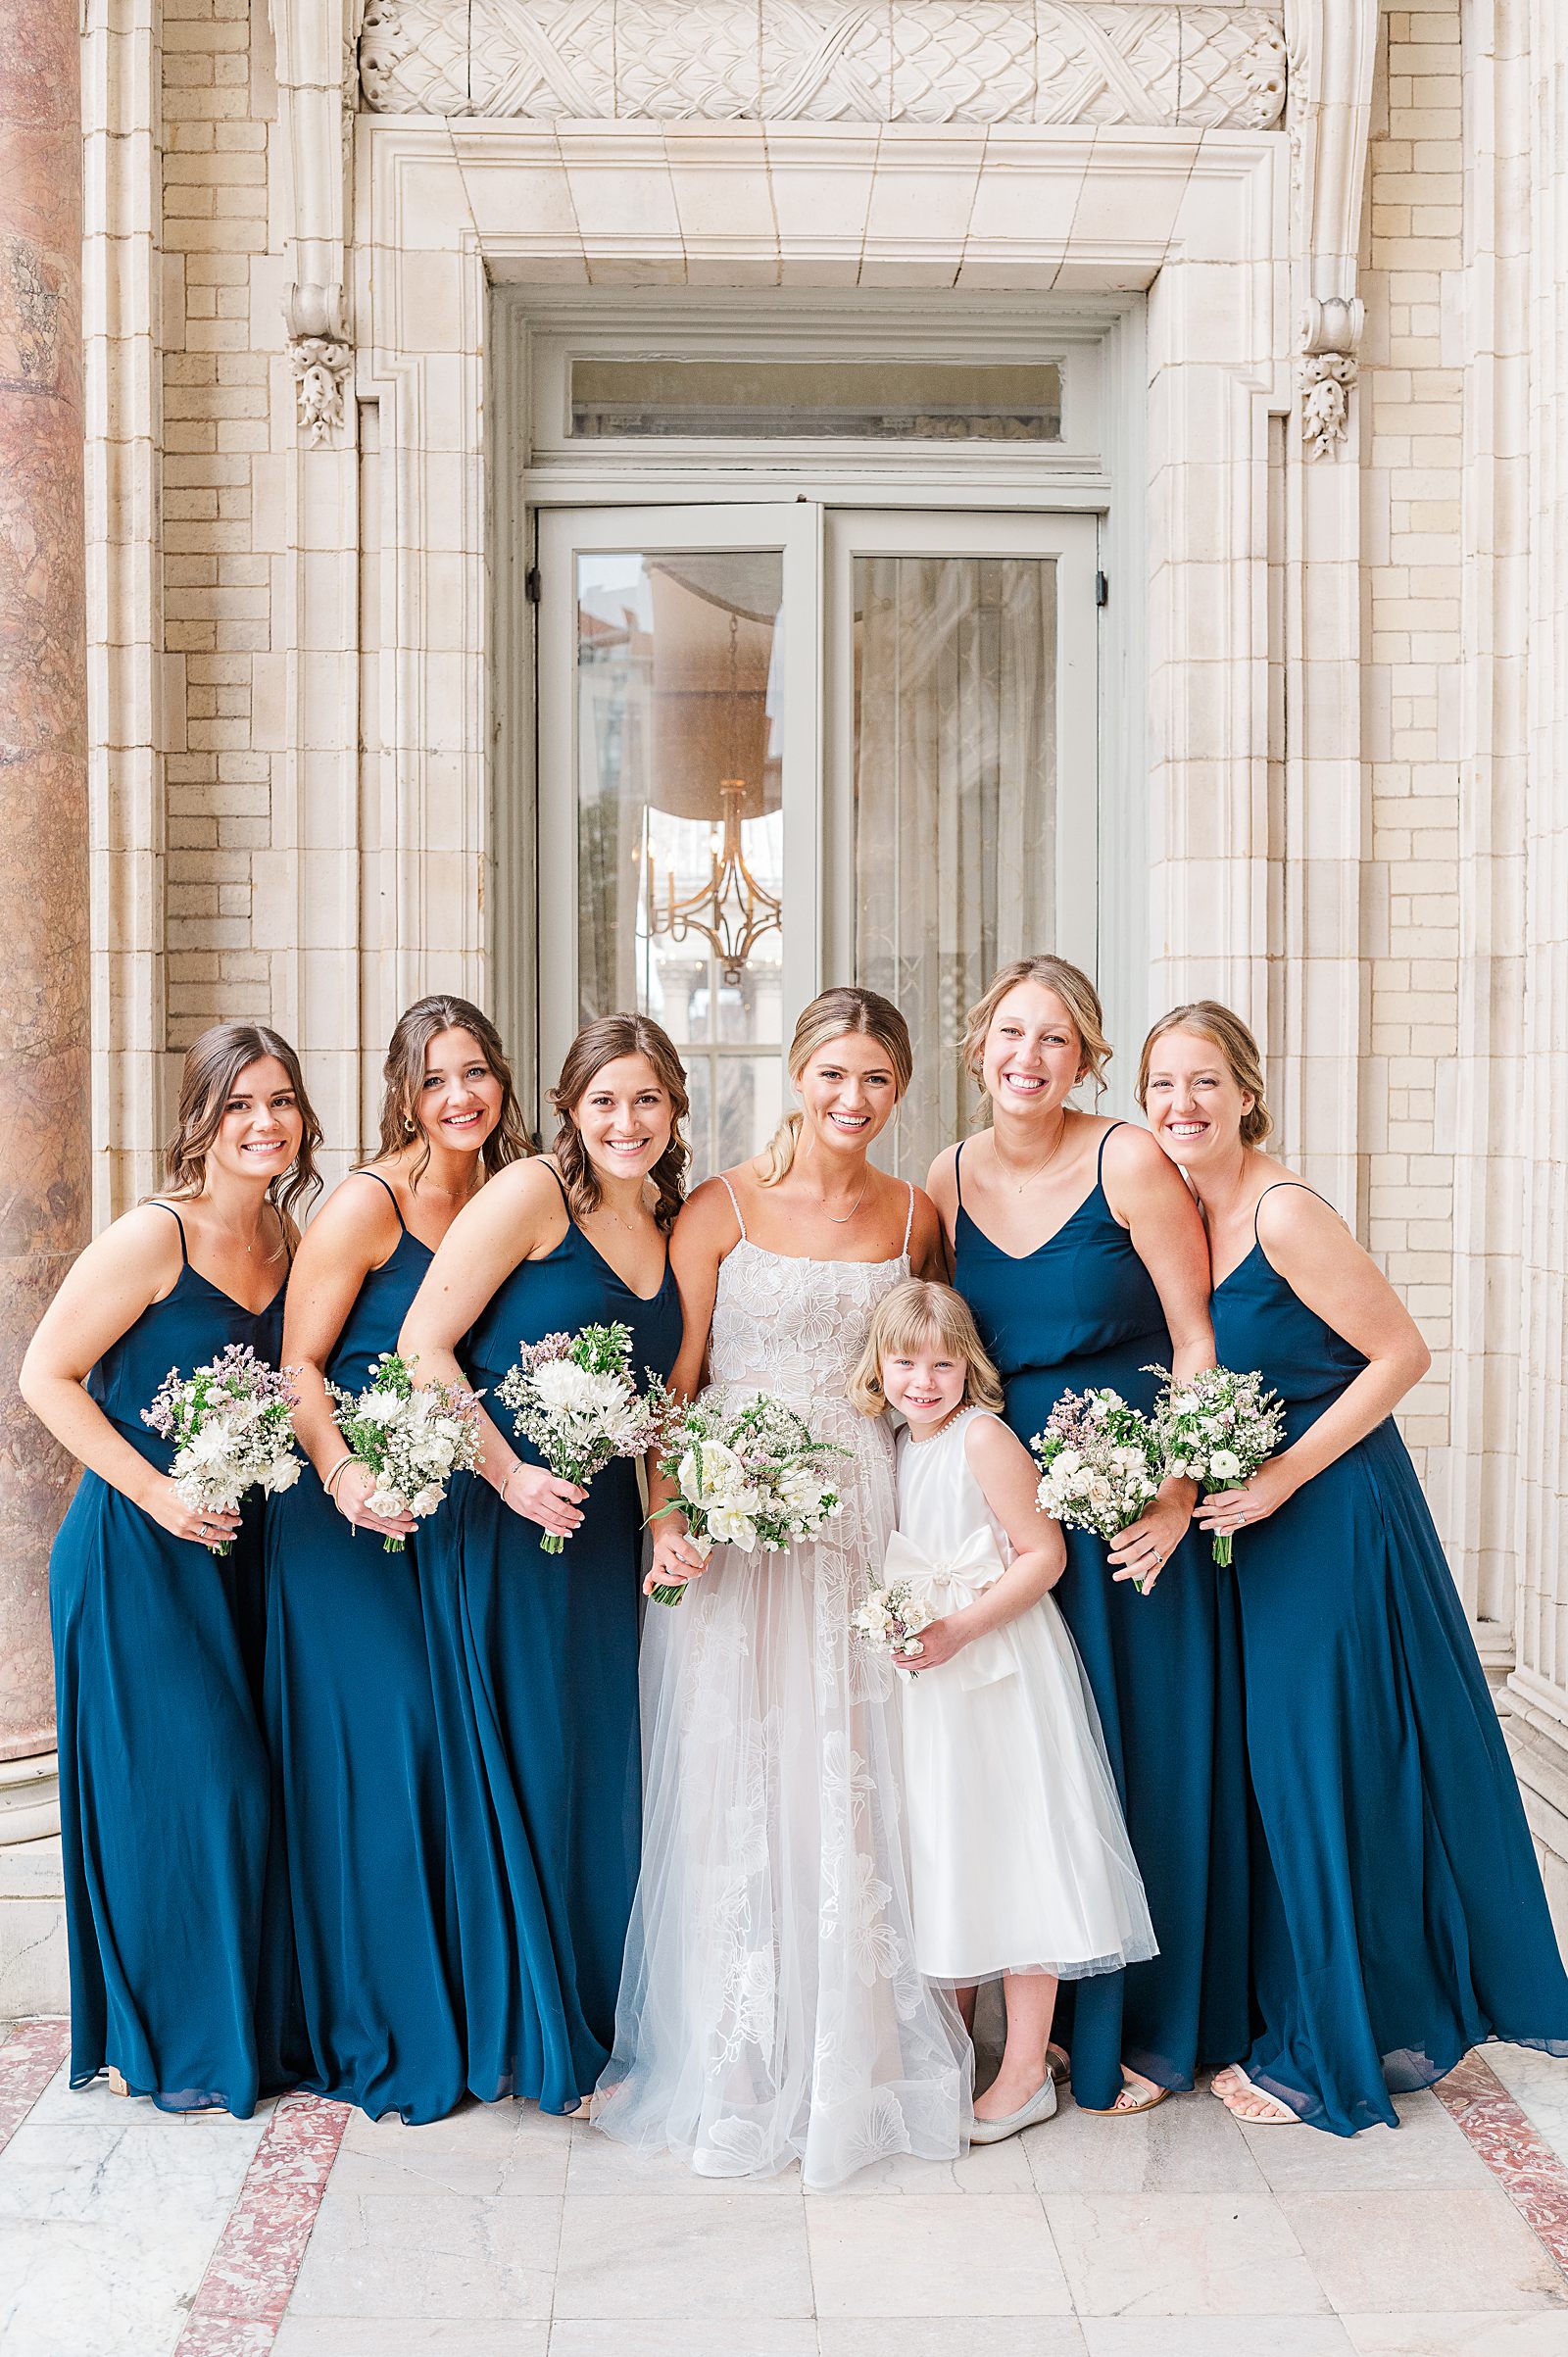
(515,1468)
(331,1483)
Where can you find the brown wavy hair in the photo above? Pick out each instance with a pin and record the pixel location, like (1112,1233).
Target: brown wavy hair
(213,1062)
(404,1076)
(832,1016)
(601,1043)
(1206,1019)
(1071,986)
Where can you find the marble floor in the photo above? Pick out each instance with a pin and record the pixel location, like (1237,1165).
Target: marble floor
(312,2233)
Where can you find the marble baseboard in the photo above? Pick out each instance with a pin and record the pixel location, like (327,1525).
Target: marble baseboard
(33,1931)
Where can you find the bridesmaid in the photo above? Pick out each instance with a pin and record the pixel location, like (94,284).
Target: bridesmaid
(1082,1257)
(162,1771)
(535,1656)
(350,1716)
(1398,1914)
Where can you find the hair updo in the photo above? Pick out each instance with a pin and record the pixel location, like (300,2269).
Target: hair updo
(1071,984)
(835,1014)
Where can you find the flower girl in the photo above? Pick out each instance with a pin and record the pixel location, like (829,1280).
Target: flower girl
(1021,1865)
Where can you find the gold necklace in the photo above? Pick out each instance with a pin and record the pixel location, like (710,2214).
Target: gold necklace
(1050,1158)
(840,1219)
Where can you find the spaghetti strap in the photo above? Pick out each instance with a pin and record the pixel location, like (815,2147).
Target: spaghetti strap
(1273,1188)
(184,1251)
(733,1205)
(1100,1158)
(365,1172)
(565,1198)
(958,1169)
(908,1224)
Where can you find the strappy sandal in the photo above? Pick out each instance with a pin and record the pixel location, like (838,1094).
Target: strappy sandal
(1128,2105)
(1279,2116)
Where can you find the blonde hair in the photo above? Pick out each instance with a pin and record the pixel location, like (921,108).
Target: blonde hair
(1071,986)
(833,1015)
(918,1311)
(1207,1020)
(604,1042)
(214,1063)
(403,1076)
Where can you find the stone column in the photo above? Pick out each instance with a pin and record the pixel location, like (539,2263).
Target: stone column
(44,1112)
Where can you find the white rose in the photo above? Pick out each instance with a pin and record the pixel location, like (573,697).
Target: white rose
(1099,1491)
(386,1502)
(1067,1460)
(426,1502)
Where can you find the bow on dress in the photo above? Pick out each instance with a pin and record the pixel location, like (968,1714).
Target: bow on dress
(948,1586)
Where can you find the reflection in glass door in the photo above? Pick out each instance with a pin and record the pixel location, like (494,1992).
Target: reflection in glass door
(964,792)
(681,748)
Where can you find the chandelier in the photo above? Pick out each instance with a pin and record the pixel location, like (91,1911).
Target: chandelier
(732,911)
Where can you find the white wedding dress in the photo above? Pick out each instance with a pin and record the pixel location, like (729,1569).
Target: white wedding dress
(771,2005)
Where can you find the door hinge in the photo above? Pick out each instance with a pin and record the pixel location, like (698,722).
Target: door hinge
(532,585)
(1102,590)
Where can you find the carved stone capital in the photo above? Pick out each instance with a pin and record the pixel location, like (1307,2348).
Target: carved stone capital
(320,354)
(827,61)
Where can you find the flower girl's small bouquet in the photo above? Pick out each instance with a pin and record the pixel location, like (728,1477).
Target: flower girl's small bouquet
(575,1396)
(1099,1463)
(1216,1429)
(752,1478)
(411,1441)
(230,1425)
(890,1619)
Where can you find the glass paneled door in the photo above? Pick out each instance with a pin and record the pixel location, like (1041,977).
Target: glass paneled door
(961,757)
(679,871)
(717,841)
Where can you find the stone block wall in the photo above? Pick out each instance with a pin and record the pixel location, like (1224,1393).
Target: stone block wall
(1412,456)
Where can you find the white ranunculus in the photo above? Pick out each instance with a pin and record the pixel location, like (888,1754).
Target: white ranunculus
(730,1527)
(386,1502)
(721,1476)
(1224,1464)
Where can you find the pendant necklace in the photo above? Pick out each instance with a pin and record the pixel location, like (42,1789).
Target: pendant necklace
(1050,1158)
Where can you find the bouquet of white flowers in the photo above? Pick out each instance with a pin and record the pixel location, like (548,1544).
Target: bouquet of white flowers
(411,1441)
(890,1619)
(1216,1428)
(576,1397)
(231,1429)
(1099,1463)
(749,1479)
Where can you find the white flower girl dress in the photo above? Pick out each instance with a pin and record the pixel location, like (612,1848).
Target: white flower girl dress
(1019,1856)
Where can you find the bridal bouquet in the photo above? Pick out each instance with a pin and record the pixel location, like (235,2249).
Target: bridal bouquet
(890,1619)
(1216,1428)
(1099,1463)
(231,1426)
(576,1397)
(411,1441)
(750,1479)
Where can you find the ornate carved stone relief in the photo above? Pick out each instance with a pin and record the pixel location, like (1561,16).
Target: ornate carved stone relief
(321,353)
(1331,46)
(827,61)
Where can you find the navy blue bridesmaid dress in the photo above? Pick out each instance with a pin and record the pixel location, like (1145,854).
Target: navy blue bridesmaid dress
(534,1661)
(163,1770)
(1398,1914)
(350,1722)
(1078,1313)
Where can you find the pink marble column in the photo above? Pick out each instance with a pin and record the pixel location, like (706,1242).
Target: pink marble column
(45,1139)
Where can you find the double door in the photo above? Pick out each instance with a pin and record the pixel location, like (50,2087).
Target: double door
(787,745)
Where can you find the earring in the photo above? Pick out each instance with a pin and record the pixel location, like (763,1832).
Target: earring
(408,1126)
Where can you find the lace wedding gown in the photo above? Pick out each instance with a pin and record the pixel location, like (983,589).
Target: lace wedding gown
(770,2008)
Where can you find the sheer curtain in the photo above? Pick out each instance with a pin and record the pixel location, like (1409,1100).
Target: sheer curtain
(955,794)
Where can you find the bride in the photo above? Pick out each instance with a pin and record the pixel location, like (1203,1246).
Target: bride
(770,2008)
